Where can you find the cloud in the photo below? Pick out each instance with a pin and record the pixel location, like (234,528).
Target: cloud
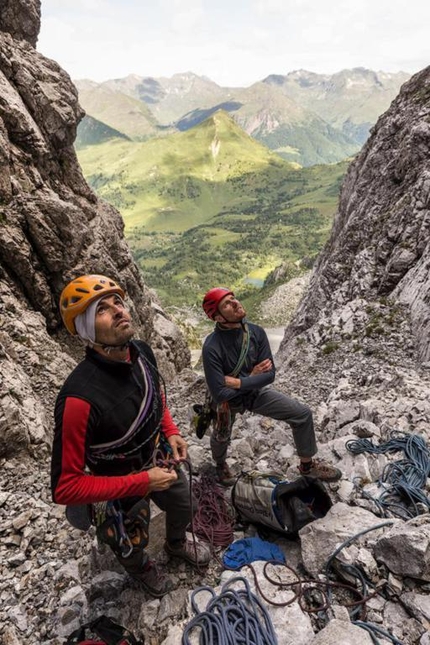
(50,7)
(233,42)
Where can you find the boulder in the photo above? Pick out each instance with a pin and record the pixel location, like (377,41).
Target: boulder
(405,548)
(339,631)
(321,538)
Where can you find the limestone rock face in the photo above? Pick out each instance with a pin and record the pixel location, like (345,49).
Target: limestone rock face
(379,244)
(358,353)
(320,538)
(21,19)
(52,228)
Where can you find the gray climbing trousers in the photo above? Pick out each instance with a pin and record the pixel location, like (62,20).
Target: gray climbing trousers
(176,503)
(275,405)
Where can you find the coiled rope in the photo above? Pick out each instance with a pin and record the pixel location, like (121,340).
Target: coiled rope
(235,616)
(403,480)
(214,518)
(225,620)
(353,570)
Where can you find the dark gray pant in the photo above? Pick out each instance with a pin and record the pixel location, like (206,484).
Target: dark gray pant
(275,405)
(175,502)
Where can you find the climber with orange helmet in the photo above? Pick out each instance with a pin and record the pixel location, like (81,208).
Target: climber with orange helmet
(239,371)
(111,421)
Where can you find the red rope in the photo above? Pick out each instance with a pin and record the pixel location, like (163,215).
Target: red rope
(214,519)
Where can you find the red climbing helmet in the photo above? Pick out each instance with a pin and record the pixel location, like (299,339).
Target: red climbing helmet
(212,300)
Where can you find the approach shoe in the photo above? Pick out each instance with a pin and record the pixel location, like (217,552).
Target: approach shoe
(321,470)
(153,579)
(193,552)
(224,476)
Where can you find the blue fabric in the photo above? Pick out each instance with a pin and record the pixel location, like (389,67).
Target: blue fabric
(250,549)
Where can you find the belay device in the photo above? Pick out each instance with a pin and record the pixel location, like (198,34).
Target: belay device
(287,506)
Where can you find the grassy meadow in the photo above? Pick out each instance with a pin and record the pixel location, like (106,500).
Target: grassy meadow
(212,206)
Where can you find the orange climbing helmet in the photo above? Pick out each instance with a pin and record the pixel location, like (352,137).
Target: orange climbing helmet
(212,299)
(81,292)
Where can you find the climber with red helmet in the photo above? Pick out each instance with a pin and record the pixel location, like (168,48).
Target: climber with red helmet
(239,371)
(111,423)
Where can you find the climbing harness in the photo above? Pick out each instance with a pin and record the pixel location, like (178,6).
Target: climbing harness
(223,417)
(110,521)
(403,481)
(124,529)
(222,422)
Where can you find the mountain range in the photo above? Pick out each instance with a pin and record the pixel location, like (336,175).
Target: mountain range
(304,117)
(212,203)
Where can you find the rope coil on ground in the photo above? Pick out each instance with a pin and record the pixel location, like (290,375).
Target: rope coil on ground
(235,616)
(304,590)
(214,518)
(403,481)
(214,523)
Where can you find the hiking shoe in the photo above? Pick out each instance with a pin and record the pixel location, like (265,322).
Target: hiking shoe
(321,470)
(153,579)
(224,476)
(195,553)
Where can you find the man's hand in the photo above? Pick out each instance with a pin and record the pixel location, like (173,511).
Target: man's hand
(160,479)
(230,381)
(178,446)
(264,366)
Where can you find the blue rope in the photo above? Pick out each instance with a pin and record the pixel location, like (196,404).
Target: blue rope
(373,630)
(403,480)
(235,617)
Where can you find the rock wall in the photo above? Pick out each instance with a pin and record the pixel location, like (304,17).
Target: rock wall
(358,347)
(52,228)
(379,246)
(21,19)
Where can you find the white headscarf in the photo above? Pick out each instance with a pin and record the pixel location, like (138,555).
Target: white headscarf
(85,323)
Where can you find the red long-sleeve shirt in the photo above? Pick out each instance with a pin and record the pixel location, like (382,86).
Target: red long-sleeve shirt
(97,405)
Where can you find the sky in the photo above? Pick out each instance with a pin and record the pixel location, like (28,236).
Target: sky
(233,42)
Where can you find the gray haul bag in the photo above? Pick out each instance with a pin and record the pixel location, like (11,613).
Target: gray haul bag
(286,506)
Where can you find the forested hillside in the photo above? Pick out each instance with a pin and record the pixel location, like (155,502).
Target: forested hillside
(212,205)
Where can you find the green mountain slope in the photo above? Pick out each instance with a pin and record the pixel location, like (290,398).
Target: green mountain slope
(271,117)
(119,111)
(212,205)
(350,100)
(170,98)
(263,110)
(92,132)
(307,117)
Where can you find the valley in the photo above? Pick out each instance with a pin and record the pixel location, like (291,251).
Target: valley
(221,185)
(213,206)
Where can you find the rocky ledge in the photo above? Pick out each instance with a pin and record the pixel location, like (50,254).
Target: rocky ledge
(369,385)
